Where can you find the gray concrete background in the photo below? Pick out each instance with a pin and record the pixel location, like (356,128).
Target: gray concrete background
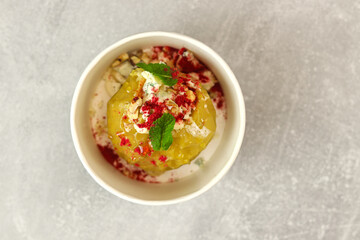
(298,173)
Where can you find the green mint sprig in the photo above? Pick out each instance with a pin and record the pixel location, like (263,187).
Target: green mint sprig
(160,70)
(160,134)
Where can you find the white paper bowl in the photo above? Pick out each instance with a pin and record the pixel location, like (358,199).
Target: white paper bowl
(165,193)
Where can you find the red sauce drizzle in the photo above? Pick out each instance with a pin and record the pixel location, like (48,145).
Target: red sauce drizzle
(108,153)
(111,157)
(219,98)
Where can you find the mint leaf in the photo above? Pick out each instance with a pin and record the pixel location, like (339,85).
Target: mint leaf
(160,70)
(160,133)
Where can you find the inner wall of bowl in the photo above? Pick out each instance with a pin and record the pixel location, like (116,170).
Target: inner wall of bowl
(125,187)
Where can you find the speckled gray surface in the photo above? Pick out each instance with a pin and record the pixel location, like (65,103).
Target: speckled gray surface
(298,173)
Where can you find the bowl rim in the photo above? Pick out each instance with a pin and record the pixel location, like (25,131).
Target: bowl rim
(228,163)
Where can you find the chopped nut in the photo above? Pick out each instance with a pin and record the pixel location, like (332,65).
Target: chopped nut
(146,59)
(135,59)
(133,112)
(124,68)
(116,63)
(174,111)
(190,95)
(170,63)
(123,57)
(187,115)
(133,115)
(161,56)
(172,91)
(133,106)
(172,106)
(136,53)
(179,125)
(139,90)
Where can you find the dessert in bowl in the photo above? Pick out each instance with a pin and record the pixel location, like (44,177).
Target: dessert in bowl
(165,111)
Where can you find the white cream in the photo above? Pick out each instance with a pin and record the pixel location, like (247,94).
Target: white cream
(194,130)
(163,95)
(144,115)
(187,115)
(212,80)
(127,127)
(151,86)
(179,125)
(133,109)
(191,84)
(140,130)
